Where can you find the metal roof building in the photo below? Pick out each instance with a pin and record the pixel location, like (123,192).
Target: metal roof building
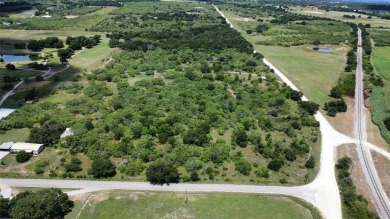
(6,146)
(28,147)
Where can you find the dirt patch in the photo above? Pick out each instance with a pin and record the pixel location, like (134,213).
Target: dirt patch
(314,12)
(190,196)
(382,165)
(100,196)
(344,122)
(179,213)
(358,178)
(71,16)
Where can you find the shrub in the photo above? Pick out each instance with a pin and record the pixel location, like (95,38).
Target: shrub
(22,156)
(310,163)
(275,164)
(387,123)
(162,171)
(102,168)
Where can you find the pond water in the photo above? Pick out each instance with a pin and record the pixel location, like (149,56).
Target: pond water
(17,58)
(29,12)
(327,50)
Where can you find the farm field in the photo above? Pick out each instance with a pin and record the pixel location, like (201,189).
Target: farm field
(380,96)
(375,21)
(191,205)
(307,68)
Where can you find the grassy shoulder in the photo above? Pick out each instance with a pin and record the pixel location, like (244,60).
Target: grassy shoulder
(120,204)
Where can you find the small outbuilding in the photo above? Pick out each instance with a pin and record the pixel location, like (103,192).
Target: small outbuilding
(28,147)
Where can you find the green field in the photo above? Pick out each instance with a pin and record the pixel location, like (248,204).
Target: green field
(174,205)
(307,68)
(380,97)
(15,135)
(338,15)
(22,73)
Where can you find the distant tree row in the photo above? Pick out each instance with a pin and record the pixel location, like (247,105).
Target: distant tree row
(50,42)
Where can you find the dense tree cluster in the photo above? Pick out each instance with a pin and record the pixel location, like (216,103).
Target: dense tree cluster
(205,38)
(77,43)
(191,99)
(45,203)
(10,6)
(50,42)
(333,107)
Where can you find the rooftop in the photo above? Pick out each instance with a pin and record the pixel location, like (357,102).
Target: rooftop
(6,145)
(25,146)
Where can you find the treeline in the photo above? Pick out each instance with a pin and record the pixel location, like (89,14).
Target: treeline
(77,43)
(368,68)
(347,81)
(205,38)
(50,42)
(182,15)
(356,205)
(83,3)
(15,6)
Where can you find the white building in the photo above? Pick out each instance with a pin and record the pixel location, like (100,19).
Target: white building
(28,147)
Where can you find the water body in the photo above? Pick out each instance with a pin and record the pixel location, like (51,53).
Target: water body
(327,50)
(18,58)
(29,12)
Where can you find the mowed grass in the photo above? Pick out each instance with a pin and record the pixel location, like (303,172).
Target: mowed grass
(338,15)
(192,205)
(22,73)
(27,35)
(380,96)
(15,135)
(313,72)
(381,61)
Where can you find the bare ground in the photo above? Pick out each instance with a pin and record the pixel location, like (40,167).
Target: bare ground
(382,165)
(358,178)
(344,122)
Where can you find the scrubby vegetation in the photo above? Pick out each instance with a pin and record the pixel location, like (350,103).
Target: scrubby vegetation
(356,206)
(194,95)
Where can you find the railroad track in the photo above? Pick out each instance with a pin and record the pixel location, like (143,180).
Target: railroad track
(378,192)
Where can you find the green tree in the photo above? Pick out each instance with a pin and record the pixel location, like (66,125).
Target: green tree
(10,66)
(162,171)
(47,134)
(4,208)
(387,123)
(102,168)
(310,163)
(45,203)
(239,135)
(22,156)
(243,166)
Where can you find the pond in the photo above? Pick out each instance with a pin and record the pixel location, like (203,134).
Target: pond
(29,12)
(327,50)
(19,57)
